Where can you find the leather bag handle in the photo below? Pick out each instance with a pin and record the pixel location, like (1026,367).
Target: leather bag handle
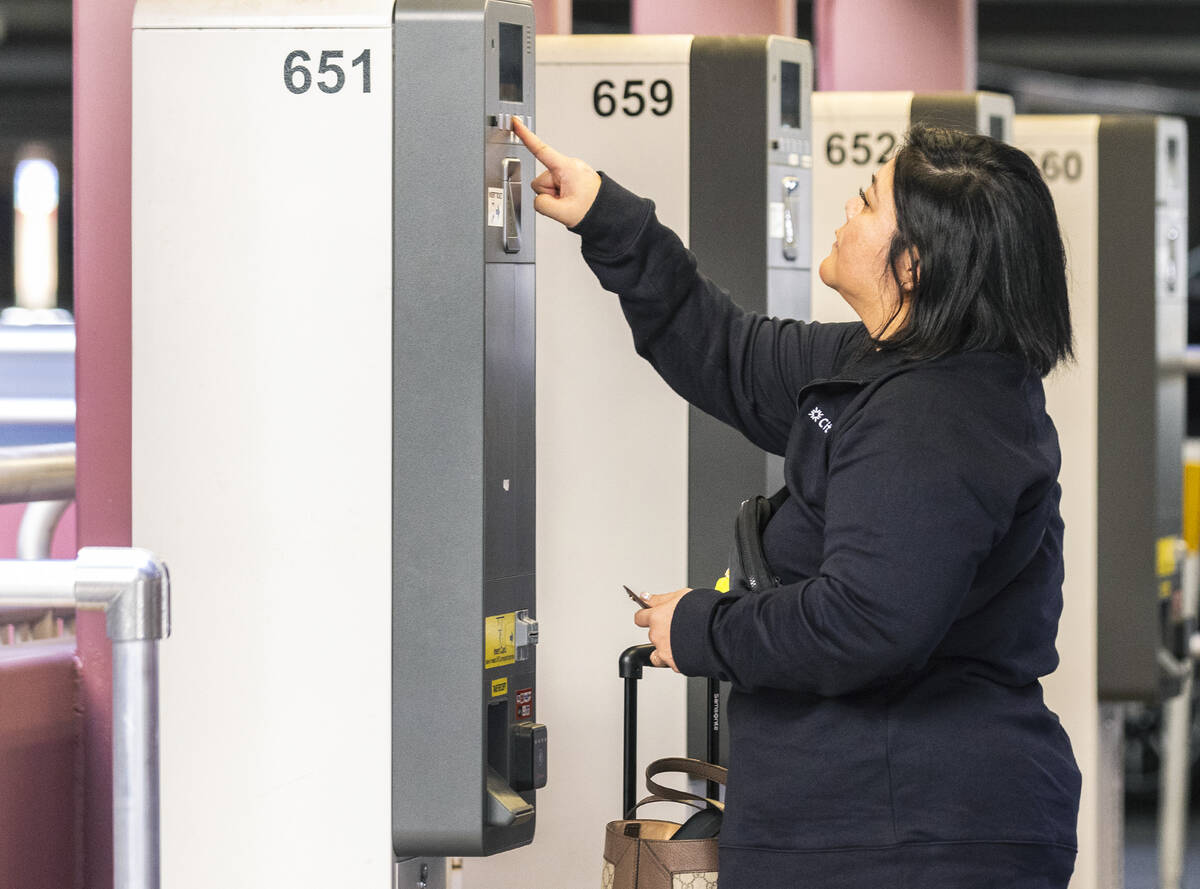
(693,768)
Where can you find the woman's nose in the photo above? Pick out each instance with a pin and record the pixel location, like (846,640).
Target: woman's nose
(853,206)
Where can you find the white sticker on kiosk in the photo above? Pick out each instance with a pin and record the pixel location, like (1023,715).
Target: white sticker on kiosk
(775,219)
(495,208)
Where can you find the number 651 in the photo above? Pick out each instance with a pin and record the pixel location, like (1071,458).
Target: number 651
(299,79)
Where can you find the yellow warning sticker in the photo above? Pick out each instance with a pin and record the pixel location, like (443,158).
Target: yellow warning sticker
(1191,505)
(1166,556)
(500,640)
(499,687)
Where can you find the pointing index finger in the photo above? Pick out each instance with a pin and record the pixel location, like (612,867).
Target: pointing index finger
(543,152)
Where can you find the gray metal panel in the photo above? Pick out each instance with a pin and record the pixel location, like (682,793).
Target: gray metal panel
(509,429)
(1171,286)
(732,182)
(953,111)
(438,447)
(1128,621)
(508,418)
(509,505)
(445,451)
(790,293)
(728,228)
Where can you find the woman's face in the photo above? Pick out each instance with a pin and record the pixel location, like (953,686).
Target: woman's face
(857,264)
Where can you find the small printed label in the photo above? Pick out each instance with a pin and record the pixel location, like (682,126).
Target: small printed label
(775,219)
(499,640)
(525,703)
(499,687)
(495,208)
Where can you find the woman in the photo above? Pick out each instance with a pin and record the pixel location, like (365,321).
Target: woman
(886,720)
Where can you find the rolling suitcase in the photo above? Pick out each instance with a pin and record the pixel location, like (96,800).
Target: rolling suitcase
(652,854)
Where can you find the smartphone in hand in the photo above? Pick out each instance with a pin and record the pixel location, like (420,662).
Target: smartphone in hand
(635,597)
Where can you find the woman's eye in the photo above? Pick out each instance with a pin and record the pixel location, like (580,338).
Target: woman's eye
(862,196)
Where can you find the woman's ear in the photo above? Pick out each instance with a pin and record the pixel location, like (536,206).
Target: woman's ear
(910,270)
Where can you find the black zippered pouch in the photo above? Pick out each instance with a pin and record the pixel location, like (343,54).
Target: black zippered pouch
(748,568)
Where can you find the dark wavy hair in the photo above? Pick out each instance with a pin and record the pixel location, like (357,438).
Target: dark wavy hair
(979,221)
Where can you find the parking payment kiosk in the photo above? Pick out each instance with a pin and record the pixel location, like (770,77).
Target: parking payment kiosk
(633,488)
(333,431)
(1120,190)
(855,133)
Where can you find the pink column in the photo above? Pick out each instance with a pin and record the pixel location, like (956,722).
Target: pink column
(552,16)
(713,17)
(102,78)
(39,747)
(924,45)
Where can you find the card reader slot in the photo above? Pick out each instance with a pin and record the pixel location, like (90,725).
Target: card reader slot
(512,204)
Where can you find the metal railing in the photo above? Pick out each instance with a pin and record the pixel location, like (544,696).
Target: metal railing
(132,587)
(43,478)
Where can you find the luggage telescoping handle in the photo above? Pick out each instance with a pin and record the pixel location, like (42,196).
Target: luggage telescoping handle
(714,731)
(633,660)
(630,665)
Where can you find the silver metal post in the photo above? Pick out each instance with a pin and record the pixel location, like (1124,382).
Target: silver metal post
(133,588)
(1173,787)
(135,765)
(1174,773)
(1111,797)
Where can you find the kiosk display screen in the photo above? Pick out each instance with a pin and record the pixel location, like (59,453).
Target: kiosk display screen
(512,62)
(789,94)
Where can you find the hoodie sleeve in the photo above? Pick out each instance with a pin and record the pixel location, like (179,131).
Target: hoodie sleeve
(742,368)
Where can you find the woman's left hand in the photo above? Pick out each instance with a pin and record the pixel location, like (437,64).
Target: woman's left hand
(657,618)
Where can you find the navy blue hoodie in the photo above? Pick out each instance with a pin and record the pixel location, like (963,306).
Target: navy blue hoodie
(887,727)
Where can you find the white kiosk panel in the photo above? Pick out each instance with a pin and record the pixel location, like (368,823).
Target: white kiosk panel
(261,387)
(1118,185)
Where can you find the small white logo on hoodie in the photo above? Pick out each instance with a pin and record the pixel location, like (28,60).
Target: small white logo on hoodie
(823,422)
